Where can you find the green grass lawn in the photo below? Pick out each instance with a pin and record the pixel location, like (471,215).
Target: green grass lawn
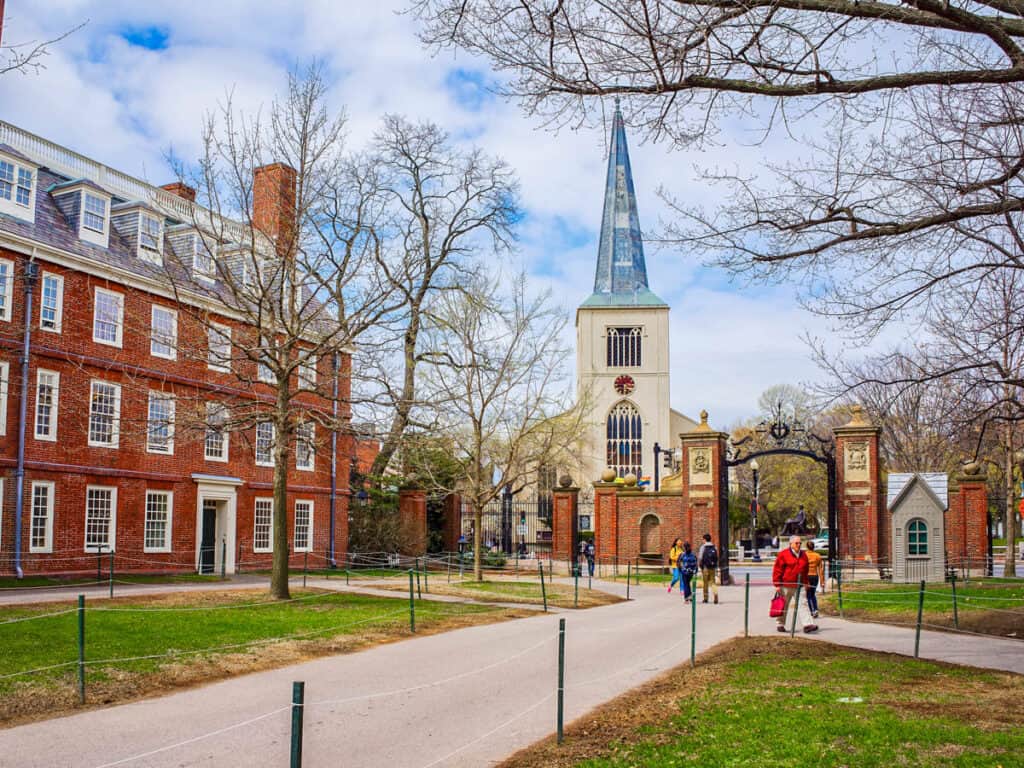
(12,583)
(768,702)
(176,630)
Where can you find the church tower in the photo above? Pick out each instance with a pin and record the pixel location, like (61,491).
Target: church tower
(622,335)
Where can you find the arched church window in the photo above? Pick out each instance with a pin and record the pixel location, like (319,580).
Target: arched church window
(917,537)
(624,433)
(624,347)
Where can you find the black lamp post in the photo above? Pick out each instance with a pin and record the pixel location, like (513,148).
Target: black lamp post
(753,513)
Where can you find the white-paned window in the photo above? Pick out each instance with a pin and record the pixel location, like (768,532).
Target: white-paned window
(215,446)
(263,371)
(47,398)
(94,213)
(265,444)
(41,525)
(625,347)
(6,179)
(159,507)
(16,183)
(307,373)
(6,288)
(218,339)
(305,453)
(263,526)
(303,526)
(149,232)
(164,336)
(160,423)
(23,194)
(100,517)
(104,414)
(5,372)
(108,317)
(51,302)
(203,263)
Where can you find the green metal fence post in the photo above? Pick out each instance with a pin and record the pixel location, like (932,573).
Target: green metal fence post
(920,611)
(629,578)
(796,605)
(346,577)
(561,675)
(111,573)
(956,615)
(419,593)
(426,575)
(746,607)
(223,558)
(298,695)
(412,606)
(576,594)
(99,564)
(305,567)
(693,622)
(839,590)
(543,589)
(636,570)
(81,649)
(449,567)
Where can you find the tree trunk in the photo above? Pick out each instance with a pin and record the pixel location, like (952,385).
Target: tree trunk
(405,402)
(478,517)
(279,572)
(1010,567)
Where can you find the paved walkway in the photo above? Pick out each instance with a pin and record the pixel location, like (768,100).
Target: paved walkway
(464,698)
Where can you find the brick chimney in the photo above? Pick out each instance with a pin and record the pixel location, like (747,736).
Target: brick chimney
(273,202)
(181,190)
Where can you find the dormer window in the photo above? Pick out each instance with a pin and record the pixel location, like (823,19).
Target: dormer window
(94,214)
(202,261)
(149,233)
(17,188)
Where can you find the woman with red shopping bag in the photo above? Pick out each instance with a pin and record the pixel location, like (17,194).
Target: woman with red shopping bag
(790,571)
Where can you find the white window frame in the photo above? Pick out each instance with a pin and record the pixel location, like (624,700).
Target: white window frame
(224,331)
(256,525)
(5,376)
(115,434)
(167,397)
(111,543)
(86,213)
(51,489)
(119,330)
(144,220)
(155,340)
(301,438)
(307,372)
(256,445)
(6,288)
(264,373)
(167,530)
(50,436)
(58,310)
(19,186)
(309,526)
(223,434)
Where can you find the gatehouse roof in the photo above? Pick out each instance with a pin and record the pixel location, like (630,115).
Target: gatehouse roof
(621,276)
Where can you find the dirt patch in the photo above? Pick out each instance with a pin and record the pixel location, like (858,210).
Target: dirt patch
(30,702)
(1003,623)
(637,714)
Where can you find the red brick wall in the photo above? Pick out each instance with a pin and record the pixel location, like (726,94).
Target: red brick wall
(966,524)
(72,464)
(564,506)
(634,506)
(452,522)
(863,520)
(412,509)
(273,204)
(606,521)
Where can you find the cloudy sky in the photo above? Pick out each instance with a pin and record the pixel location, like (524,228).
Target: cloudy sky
(137,78)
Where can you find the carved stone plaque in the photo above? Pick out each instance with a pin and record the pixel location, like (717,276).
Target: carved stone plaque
(700,466)
(856,466)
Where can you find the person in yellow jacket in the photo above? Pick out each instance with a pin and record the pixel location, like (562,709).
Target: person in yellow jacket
(815,577)
(673,560)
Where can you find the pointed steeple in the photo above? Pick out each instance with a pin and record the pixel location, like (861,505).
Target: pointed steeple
(621,276)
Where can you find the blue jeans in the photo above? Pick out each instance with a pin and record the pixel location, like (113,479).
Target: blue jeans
(687,579)
(812,594)
(677,575)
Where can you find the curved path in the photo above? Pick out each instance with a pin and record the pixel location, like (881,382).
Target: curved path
(464,698)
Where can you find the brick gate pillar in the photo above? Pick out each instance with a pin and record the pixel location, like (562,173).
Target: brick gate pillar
(452,522)
(564,520)
(705,484)
(967,521)
(864,530)
(606,517)
(412,511)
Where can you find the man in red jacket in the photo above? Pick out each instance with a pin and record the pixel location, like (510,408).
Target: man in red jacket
(791,568)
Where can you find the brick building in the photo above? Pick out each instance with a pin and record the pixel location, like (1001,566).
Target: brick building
(109,461)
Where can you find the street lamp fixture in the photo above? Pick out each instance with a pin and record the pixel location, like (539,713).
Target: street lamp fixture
(753,512)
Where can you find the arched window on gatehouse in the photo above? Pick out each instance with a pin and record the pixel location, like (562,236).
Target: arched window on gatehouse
(650,534)
(917,537)
(624,433)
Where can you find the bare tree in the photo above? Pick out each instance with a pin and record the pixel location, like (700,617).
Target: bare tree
(28,55)
(499,368)
(286,245)
(447,212)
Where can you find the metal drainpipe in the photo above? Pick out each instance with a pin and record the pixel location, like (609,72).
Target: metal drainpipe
(30,277)
(334,457)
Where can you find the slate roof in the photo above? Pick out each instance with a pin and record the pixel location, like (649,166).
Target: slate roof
(620,279)
(936,482)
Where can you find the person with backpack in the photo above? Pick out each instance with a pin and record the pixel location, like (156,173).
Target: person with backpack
(673,561)
(590,553)
(707,558)
(687,565)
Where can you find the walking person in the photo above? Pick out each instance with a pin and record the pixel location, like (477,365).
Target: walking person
(815,577)
(591,556)
(791,570)
(687,570)
(673,560)
(707,559)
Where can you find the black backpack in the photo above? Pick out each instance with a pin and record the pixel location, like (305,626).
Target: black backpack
(710,557)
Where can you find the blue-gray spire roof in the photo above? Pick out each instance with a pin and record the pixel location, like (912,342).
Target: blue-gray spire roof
(621,276)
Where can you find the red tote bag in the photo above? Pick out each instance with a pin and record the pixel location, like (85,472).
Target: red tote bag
(778,606)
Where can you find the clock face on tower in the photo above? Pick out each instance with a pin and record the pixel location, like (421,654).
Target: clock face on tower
(625,385)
